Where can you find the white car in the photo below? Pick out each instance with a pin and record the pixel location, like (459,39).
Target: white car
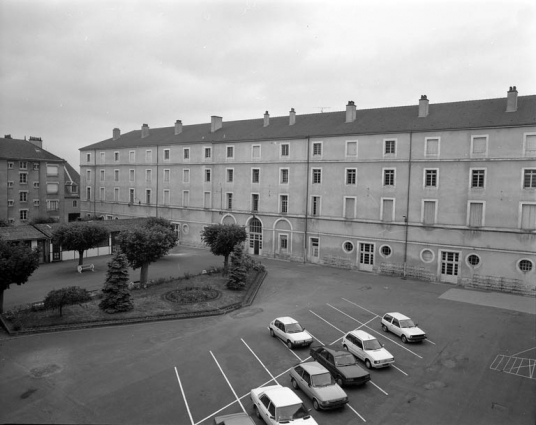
(368,349)
(276,404)
(402,326)
(290,332)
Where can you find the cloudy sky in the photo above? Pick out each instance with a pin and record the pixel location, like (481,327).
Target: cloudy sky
(72,70)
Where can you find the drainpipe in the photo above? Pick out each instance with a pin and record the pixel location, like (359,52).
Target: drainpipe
(306,203)
(157,179)
(406,217)
(95,183)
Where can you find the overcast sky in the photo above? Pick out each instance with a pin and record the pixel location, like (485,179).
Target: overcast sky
(71,71)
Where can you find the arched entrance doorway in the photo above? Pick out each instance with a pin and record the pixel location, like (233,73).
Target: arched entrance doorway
(255,236)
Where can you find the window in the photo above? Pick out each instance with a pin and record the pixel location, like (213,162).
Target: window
(36,166)
(53,205)
(102,176)
(186,176)
(10,165)
(525,265)
(75,203)
(116,156)
(88,175)
(88,157)
(148,176)
(131,196)
(147,196)
(53,188)
(283,172)
(427,256)
(349,207)
(351,148)
(317,175)
(348,247)
(283,243)
(102,158)
(256,152)
(166,176)
(475,214)
(528,217)
(74,188)
(23,178)
(230,152)
(385,251)
(255,175)
(186,154)
(11,183)
(472,260)
(230,175)
(23,215)
(479,146)
(285,147)
(315,205)
(132,156)
(315,247)
(116,194)
(430,178)
(283,204)
(529,178)
(429,211)
(351,176)
(166,154)
(23,165)
(131,175)
(10,202)
(88,194)
(529,142)
(389,177)
(389,147)
(207,175)
(52,170)
(255,202)
(317,149)
(229,198)
(431,146)
(207,200)
(116,175)
(478,178)
(208,153)
(102,194)
(23,196)
(388,209)
(149,156)
(167,196)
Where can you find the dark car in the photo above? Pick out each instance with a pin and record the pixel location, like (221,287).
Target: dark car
(341,364)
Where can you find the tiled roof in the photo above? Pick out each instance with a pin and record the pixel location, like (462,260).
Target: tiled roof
(442,116)
(20,233)
(111,225)
(22,149)
(71,175)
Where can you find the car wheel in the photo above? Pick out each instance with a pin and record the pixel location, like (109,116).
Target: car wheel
(289,344)
(367,364)
(294,384)
(384,328)
(404,339)
(345,347)
(315,404)
(256,410)
(339,381)
(272,332)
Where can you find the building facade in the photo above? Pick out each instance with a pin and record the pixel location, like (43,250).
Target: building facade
(35,184)
(443,192)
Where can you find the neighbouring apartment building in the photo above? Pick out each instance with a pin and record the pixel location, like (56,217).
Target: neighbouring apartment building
(34,183)
(436,191)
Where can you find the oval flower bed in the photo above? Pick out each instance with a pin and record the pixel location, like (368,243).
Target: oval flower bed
(190,295)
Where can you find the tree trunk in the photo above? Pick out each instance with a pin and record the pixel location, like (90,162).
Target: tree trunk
(225,265)
(144,272)
(2,301)
(80,258)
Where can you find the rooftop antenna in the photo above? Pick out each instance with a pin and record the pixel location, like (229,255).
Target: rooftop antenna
(322,108)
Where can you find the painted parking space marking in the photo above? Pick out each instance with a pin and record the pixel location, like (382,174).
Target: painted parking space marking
(265,368)
(378,387)
(228,383)
(520,366)
(298,357)
(333,326)
(184,396)
(400,370)
(353,410)
(316,338)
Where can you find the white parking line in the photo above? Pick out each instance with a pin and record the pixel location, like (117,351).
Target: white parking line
(362,418)
(265,368)
(228,383)
(316,338)
(378,388)
(298,357)
(333,326)
(427,340)
(184,397)
(400,370)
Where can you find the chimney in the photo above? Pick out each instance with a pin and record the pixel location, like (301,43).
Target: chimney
(215,123)
(116,133)
(350,111)
(423,106)
(511,100)
(144,131)
(178,127)
(36,141)
(292,117)
(266,119)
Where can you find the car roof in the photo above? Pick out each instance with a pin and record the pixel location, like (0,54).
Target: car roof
(286,320)
(333,352)
(314,368)
(361,335)
(282,396)
(398,316)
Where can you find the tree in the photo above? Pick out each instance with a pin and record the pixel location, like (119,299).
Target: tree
(59,298)
(79,237)
(17,263)
(146,244)
(222,238)
(116,294)
(238,272)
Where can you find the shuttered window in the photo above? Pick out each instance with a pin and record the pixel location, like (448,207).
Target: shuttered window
(528,217)
(429,212)
(387,211)
(476,211)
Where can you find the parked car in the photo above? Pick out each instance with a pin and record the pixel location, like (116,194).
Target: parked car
(402,326)
(341,364)
(318,384)
(368,349)
(290,332)
(234,419)
(276,404)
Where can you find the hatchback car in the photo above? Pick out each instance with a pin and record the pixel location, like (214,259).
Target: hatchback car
(368,349)
(402,326)
(276,404)
(341,364)
(290,332)
(318,384)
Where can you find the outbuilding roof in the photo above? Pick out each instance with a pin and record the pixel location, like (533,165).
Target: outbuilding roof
(110,225)
(24,232)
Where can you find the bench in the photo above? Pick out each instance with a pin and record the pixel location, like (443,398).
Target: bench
(86,267)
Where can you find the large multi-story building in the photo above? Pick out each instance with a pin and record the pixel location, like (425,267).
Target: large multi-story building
(438,191)
(35,184)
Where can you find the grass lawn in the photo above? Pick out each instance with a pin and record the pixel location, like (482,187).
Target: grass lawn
(147,303)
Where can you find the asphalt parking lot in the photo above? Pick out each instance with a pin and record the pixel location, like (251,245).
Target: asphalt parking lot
(478,366)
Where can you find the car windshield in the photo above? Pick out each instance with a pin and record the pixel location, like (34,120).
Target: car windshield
(323,380)
(289,413)
(294,328)
(372,344)
(407,323)
(345,360)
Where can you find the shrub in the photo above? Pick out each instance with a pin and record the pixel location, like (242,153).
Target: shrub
(238,272)
(116,294)
(58,298)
